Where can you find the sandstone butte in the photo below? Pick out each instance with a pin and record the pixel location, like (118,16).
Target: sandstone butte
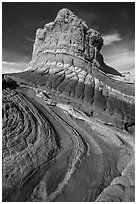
(68,125)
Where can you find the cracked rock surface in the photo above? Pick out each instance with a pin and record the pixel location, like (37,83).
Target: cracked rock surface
(68,123)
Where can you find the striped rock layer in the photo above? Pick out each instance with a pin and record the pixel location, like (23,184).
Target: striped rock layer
(67,63)
(63,119)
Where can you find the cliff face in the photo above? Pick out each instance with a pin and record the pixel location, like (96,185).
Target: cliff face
(67,40)
(67,63)
(68,125)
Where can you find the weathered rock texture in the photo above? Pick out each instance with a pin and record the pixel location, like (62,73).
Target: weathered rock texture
(67,62)
(68,125)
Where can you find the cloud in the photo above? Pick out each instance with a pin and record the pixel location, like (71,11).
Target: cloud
(29,39)
(122,59)
(120,55)
(111,38)
(8,63)
(13,67)
(13,61)
(31,25)
(12,55)
(36,25)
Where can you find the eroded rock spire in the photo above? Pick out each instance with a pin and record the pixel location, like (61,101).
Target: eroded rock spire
(63,122)
(68,40)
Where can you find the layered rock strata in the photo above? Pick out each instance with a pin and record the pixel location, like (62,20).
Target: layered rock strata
(30,144)
(68,126)
(67,62)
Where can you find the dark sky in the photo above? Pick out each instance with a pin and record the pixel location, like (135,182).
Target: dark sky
(115,21)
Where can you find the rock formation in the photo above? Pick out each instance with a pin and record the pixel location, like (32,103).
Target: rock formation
(68,125)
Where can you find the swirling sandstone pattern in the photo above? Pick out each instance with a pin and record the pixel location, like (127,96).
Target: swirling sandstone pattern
(28,140)
(67,62)
(68,127)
